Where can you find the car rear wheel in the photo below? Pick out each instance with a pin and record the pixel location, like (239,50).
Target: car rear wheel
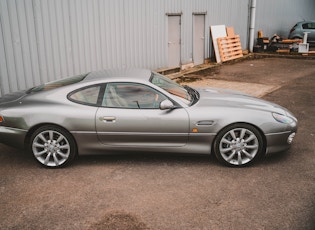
(238,145)
(52,146)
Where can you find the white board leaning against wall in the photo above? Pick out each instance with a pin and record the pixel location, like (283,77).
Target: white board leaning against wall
(218,31)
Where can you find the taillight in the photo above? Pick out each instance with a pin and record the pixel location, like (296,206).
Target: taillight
(292,30)
(1,119)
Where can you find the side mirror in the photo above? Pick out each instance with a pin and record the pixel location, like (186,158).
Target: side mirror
(167,104)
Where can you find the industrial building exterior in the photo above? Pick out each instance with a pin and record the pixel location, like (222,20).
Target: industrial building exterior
(44,40)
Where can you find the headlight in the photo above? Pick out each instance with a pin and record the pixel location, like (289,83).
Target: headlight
(282,118)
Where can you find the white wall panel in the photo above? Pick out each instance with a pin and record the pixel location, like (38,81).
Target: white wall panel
(4,80)
(44,40)
(34,76)
(10,84)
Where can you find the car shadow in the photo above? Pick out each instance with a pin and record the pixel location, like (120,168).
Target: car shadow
(146,158)
(12,156)
(275,158)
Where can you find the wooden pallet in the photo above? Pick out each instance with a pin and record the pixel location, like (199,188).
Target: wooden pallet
(230,48)
(283,51)
(292,41)
(310,53)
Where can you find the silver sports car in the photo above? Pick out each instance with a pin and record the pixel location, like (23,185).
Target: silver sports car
(135,110)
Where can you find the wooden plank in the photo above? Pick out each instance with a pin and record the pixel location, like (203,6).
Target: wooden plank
(230,31)
(230,48)
(310,53)
(283,51)
(292,41)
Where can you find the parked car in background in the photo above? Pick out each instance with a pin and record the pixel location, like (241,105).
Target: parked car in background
(297,31)
(141,111)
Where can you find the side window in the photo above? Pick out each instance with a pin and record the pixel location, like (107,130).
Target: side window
(86,95)
(132,96)
(309,26)
(305,26)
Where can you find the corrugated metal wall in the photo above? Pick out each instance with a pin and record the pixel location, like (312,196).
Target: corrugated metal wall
(43,40)
(278,17)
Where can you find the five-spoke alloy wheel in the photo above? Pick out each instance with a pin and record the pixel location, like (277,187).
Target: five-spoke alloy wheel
(238,145)
(52,146)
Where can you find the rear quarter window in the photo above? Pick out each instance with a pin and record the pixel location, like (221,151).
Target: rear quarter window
(88,96)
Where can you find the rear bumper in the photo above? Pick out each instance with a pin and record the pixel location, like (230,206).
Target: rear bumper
(278,142)
(12,137)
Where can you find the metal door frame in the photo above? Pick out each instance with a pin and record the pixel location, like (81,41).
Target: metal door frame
(193,35)
(180,37)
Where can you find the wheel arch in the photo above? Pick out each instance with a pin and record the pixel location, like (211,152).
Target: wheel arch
(35,127)
(240,123)
(297,37)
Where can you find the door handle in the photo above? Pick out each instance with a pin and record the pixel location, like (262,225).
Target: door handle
(108,119)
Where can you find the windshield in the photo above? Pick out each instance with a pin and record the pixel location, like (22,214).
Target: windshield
(171,87)
(57,84)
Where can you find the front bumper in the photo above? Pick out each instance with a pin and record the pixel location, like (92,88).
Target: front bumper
(278,142)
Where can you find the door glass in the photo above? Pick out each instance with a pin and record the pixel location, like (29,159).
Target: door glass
(131,96)
(86,95)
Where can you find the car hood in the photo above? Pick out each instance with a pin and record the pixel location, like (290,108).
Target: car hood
(234,99)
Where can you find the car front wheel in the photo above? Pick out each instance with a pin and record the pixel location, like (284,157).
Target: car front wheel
(52,146)
(238,145)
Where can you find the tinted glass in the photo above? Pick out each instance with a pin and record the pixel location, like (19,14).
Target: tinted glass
(132,96)
(171,87)
(311,26)
(305,26)
(308,26)
(86,95)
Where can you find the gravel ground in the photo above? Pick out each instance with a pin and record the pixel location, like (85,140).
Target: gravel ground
(178,192)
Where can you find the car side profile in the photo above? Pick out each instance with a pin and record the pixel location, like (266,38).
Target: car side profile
(136,110)
(297,31)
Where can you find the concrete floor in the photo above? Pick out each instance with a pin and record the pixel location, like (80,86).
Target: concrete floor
(146,191)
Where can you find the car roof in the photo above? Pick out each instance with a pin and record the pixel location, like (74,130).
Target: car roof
(312,21)
(140,74)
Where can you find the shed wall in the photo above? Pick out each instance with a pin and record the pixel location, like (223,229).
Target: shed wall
(278,17)
(44,40)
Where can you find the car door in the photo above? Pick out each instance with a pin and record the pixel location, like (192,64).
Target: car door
(130,116)
(310,29)
(312,32)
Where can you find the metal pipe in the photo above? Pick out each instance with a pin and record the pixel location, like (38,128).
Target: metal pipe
(252,25)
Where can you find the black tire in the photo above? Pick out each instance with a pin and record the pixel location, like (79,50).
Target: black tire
(52,146)
(238,145)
